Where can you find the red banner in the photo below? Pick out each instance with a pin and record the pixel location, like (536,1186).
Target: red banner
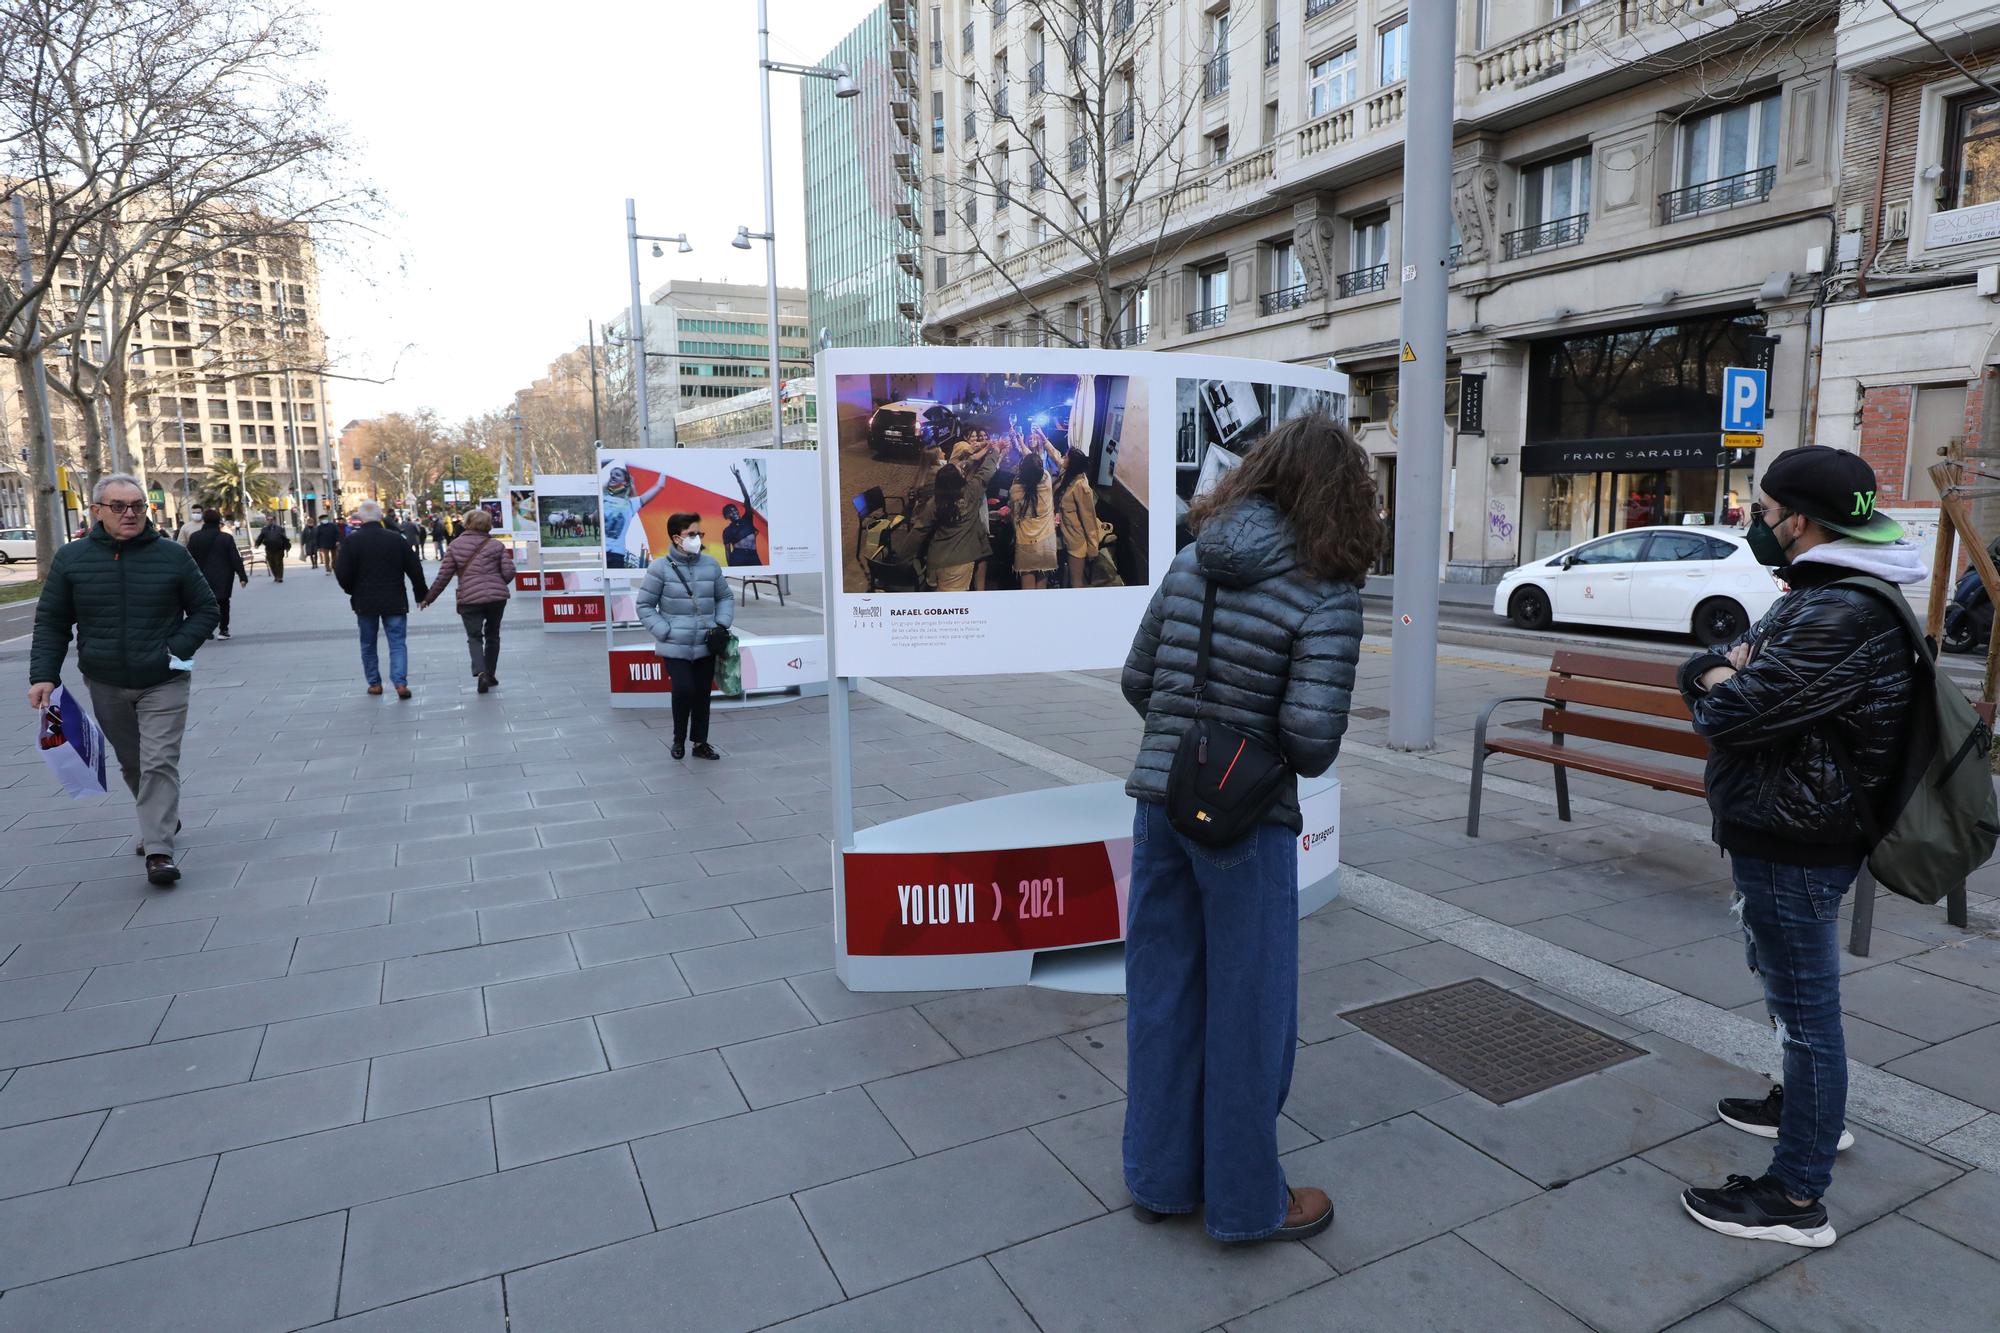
(527,581)
(573,610)
(638,671)
(915,903)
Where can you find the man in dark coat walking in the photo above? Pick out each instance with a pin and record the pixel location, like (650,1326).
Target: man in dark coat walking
(215,552)
(372,565)
(275,542)
(139,608)
(326,539)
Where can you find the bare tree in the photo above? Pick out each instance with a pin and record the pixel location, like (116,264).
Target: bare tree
(557,428)
(149,139)
(1099,204)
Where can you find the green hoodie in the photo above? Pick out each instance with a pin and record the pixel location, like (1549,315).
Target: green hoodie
(132,603)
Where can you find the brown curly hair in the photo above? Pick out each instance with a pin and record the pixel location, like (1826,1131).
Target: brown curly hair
(1320,480)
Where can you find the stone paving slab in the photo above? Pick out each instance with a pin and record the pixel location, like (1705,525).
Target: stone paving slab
(583,997)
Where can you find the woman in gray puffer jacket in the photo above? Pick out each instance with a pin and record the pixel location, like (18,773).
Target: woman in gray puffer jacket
(683,597)
(1212,939)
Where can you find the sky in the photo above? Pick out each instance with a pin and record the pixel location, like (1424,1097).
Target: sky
(506,138)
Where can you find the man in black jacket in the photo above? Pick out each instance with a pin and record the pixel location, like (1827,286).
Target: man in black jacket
(371,567)
(326,539)
(1806,717)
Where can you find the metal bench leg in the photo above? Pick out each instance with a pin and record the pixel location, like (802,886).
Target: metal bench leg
(1478,790)
(1562,792)
(1861,934)
(1954,905)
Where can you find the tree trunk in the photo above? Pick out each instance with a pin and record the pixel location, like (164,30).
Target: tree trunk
(50,529)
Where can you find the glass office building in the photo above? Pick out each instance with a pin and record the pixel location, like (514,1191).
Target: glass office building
(863,262)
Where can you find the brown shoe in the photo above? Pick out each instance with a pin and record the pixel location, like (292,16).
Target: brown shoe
(1311,1213)
(374,689)
(402,691)
(161,870)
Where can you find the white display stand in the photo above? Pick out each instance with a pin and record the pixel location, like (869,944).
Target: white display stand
(1028,888)
(573,593)
(776,669)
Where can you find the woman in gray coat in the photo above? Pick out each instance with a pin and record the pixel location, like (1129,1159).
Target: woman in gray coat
(683,597)
(1212,933)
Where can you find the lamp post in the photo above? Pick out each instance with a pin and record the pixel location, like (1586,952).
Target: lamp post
(843,87)
(636,335)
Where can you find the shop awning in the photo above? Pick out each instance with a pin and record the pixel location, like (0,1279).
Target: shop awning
(1648,453)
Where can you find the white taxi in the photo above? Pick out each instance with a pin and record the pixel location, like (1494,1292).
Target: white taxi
(16,544)
(1690,580)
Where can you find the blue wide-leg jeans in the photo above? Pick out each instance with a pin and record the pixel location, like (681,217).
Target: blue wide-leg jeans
(399,649)
(1212,1022)
(1791,929)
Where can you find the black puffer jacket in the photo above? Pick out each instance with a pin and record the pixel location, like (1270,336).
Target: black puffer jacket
(1828,663)
(373,565)
(1280,666)
(131,604)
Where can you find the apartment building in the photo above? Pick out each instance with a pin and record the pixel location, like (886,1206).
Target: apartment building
(705,341)
(864,279)
(1911,347)
(226,369)
(1638,191)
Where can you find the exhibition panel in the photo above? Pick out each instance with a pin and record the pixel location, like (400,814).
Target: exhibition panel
(961,485)
(759,507)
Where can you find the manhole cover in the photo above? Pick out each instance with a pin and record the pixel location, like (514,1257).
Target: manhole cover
(1490,1040)
(1370,714)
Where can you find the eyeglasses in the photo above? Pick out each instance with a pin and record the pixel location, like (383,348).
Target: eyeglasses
(122,506)
(1759,511)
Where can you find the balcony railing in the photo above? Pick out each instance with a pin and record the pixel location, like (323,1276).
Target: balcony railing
(1215,76)
(1291,298)
(1038,176)
(1551,235)
(965,40)
(1356,281)
(1121,126)
(1746,187)
(1132,335)
(971,125)
(1038,78)
(1455,256)
(1121,17)
(1211,318)
(1079,153)
(1314,8)
(1271,46)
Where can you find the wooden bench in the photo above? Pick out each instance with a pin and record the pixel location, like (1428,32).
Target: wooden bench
(1626,696)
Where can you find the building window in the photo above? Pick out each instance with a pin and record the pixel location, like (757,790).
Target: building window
(1215,75)
(937,120)
(1211,296)
(1371,242)
(1556,189)
(1135,316)
(1333,81)
(938,271)
(1284,278)
(219,433)
(1727,157)
(1218,146)
(937,36)
(1972,152)
(1394,42)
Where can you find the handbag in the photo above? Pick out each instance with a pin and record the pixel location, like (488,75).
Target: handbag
(718,638)
(1223,781)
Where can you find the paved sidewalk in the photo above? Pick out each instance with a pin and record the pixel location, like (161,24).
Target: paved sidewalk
(481,1013)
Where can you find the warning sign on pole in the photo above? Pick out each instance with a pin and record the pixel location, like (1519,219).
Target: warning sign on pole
(1409,352)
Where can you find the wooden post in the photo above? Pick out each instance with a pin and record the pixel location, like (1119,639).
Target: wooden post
(1953,507)
(1943,567)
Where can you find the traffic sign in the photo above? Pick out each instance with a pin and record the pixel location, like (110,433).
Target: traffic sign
(1743,400)
(1733,439)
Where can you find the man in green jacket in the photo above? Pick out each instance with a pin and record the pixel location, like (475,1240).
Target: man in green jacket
(140,608)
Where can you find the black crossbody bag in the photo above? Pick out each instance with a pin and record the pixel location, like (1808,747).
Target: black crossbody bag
(1223,781)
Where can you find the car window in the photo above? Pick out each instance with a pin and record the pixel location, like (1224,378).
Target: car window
(1686,546)
(1618,550)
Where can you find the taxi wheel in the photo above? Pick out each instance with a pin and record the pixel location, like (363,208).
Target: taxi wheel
(1718,620)
(1529,609)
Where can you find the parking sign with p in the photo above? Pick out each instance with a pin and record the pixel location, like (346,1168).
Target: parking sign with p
(1742,400)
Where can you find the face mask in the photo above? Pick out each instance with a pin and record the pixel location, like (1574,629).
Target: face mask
(1765,546)
(691,544)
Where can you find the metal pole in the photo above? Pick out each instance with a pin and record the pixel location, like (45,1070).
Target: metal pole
(180,429)
(596,424)
(770,211)
(635,336)
(291,398)
(51,523)
(1420,381)
(519,476)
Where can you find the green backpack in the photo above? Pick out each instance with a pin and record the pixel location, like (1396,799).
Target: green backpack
(1941,820)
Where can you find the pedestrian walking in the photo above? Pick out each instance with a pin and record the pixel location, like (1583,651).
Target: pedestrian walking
(685,603)
(326,540)
(139,608)
(1265,608)
(192,526)
(1807,716)
(216,554)
(371,567)
(309,542)
(413,534)
(484,568)
(275,543)
(439,537)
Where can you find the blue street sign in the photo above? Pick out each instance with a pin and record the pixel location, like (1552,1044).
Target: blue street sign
(1742,399)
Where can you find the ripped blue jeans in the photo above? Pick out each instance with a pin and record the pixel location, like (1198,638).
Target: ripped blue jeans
(1791,933)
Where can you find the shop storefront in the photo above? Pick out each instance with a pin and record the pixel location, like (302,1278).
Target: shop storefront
(1622,430)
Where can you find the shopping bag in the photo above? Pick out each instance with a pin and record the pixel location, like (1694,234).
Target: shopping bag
(729,668)
(73,746)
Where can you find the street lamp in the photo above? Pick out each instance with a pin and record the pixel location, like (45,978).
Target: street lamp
(843,87)
(636,337)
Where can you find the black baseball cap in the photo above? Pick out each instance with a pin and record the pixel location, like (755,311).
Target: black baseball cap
(1833,488)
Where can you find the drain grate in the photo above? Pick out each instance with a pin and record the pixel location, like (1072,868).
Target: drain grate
(1369,714)
(1489,1040)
